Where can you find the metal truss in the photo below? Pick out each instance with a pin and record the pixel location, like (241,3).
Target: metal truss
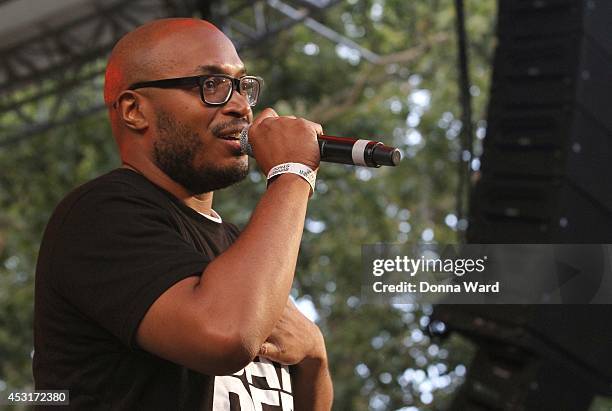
(273,16)
(56,78)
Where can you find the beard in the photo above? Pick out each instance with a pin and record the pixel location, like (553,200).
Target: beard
(175,153)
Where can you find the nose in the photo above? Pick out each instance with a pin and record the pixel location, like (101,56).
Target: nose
(237,106)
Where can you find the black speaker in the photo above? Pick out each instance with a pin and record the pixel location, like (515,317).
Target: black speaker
(546,160)
(545,177)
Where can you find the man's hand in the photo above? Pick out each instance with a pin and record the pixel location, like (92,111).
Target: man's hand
(284,139)
(293,339)
(297,341)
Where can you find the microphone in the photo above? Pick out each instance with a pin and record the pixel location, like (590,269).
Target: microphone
(344,150)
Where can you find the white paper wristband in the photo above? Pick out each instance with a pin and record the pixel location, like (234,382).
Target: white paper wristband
(300,169)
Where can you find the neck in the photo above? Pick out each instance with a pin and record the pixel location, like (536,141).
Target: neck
(201,203)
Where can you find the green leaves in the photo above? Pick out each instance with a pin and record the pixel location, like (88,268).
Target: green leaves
(380,357)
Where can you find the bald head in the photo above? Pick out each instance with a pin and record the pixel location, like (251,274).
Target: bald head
(163,49)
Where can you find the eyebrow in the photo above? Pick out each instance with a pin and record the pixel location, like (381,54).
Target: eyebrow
(216,69)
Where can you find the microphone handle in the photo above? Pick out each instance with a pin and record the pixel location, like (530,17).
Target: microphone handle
(344,150)
(358,152)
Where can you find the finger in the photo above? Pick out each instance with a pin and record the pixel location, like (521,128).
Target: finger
(265,113)
(316,127)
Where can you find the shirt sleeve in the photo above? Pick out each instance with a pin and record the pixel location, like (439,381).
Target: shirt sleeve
(117,252)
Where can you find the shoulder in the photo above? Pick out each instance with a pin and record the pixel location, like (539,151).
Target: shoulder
(120,186)
(118,200)
(119,181)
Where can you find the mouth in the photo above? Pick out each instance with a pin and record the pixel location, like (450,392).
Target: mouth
(232,140)
(231,134)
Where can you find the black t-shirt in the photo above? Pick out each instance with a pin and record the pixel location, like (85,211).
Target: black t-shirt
(111,248)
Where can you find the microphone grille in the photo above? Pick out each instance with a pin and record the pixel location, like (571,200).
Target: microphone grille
(245,147)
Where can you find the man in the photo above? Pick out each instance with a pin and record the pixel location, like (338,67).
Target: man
(145,298)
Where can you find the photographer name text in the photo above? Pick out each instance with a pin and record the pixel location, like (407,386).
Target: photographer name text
(431,266)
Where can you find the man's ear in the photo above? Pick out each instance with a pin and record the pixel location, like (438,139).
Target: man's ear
(129,109)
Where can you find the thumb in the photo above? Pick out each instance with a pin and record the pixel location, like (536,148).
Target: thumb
(269,350)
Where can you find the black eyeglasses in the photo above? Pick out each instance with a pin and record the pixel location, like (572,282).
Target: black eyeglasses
(215,89)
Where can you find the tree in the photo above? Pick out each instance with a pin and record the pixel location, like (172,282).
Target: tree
(380,357)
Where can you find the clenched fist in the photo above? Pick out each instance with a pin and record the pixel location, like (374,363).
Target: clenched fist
(283,139)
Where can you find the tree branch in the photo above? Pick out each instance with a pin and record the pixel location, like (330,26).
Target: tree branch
(343,100)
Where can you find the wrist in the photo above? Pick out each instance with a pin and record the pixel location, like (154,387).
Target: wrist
(303,171)
(290,179)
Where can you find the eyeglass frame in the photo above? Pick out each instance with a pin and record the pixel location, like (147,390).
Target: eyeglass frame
(199,80)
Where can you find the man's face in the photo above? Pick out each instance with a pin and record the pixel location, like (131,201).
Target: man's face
(181,153)
(195,144)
